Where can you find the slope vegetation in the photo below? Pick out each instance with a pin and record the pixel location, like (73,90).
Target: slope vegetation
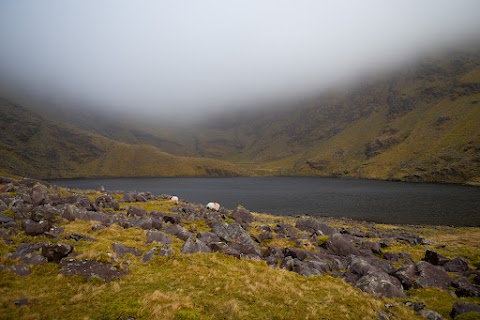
(37,147)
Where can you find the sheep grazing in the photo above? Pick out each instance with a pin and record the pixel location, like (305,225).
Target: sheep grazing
(174,199)
(213,206)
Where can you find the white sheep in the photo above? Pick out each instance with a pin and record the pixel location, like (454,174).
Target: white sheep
(213,206)
(174,199)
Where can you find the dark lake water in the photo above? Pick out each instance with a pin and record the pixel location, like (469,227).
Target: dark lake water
(378,201)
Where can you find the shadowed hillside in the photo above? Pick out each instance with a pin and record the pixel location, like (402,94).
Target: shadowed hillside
(34,146)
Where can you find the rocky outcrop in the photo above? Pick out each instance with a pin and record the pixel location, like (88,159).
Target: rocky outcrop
(91,269)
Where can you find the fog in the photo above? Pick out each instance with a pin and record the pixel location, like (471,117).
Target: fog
(193,58)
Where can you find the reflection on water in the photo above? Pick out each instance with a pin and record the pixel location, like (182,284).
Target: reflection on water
(379,201)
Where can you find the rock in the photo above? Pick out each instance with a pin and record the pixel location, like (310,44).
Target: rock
(33,259)
(56,252)
(406,276)
(121,250)
(97,227)
(430,314)
(194,246)
(391,256)
(224,248)
(21,302)
(435,258)
(416,306)
(267,235)
(464,307)
(465,289)
(243,217)
(20,270)
(5,219)
(33,228)
(128,197)
(90,269)
(234,233)
(166,250)
(172,218)
(314,227)
(379,285)
(26,248)
(54,232)
(178,231)
(39,194)
(429,275)
(149,254)
(69,212)
(136,211)
(158,237)
(78,237)
(382,316)
(371,247)
(107,201)
(145,224)
(337,244)
(456,265)
(85,203)
(208,237)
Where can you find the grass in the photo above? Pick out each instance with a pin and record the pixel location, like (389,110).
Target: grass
(211,286)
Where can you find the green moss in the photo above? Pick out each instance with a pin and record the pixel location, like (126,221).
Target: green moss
(468,316)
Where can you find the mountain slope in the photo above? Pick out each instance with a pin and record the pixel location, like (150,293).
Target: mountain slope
(37,147)
(418,124)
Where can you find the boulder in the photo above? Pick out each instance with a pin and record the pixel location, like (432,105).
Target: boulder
(172,218)
(136,211)
(380,284)
(243,217)
(458,264)
(33,228)
(314,227)
(178,231)
(406,276)
(158,237)
(430,314)
(121,250)
(193,245)
(208,237)
(20,270)
(5,219)
(337,244)
(224,248)
(435,258)
(33,259)
(39,194)
(166,250)
(78,237)
(464,307)
(90,269)
(56,252)
(429,275)
(149,254)
(234,233)
(465,289)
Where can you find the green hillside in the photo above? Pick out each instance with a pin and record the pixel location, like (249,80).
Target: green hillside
(37,147)
(418,124)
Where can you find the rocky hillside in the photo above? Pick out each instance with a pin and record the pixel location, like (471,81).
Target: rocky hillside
(120,255)
(417,124)
(40,147)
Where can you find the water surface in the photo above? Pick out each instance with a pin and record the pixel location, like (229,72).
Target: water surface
(378,201)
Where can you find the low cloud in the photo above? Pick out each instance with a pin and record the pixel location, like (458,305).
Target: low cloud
(198,57)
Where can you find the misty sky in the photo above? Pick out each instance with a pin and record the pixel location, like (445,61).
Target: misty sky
(194,56)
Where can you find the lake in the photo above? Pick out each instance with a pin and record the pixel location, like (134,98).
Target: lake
(370,200)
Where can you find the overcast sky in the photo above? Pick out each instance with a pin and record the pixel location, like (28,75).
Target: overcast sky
(185,56)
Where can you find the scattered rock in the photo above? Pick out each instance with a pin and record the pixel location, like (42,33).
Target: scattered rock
(171,218)
(121,250)
(136,211)
(429,275)
(20,270)
(178,231)
(78,237)
(91,269)
(166,250)
(314,227)
(337,244)
(464,307)
(158,237)
(435,258)
(458,264)
(194,246)
(243,217)
(149,254)
(39,194)
(56,252)
(33,228)
(430,314)
(465,289)
(21,302)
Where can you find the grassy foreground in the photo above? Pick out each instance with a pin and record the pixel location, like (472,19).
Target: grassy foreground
(213,285)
